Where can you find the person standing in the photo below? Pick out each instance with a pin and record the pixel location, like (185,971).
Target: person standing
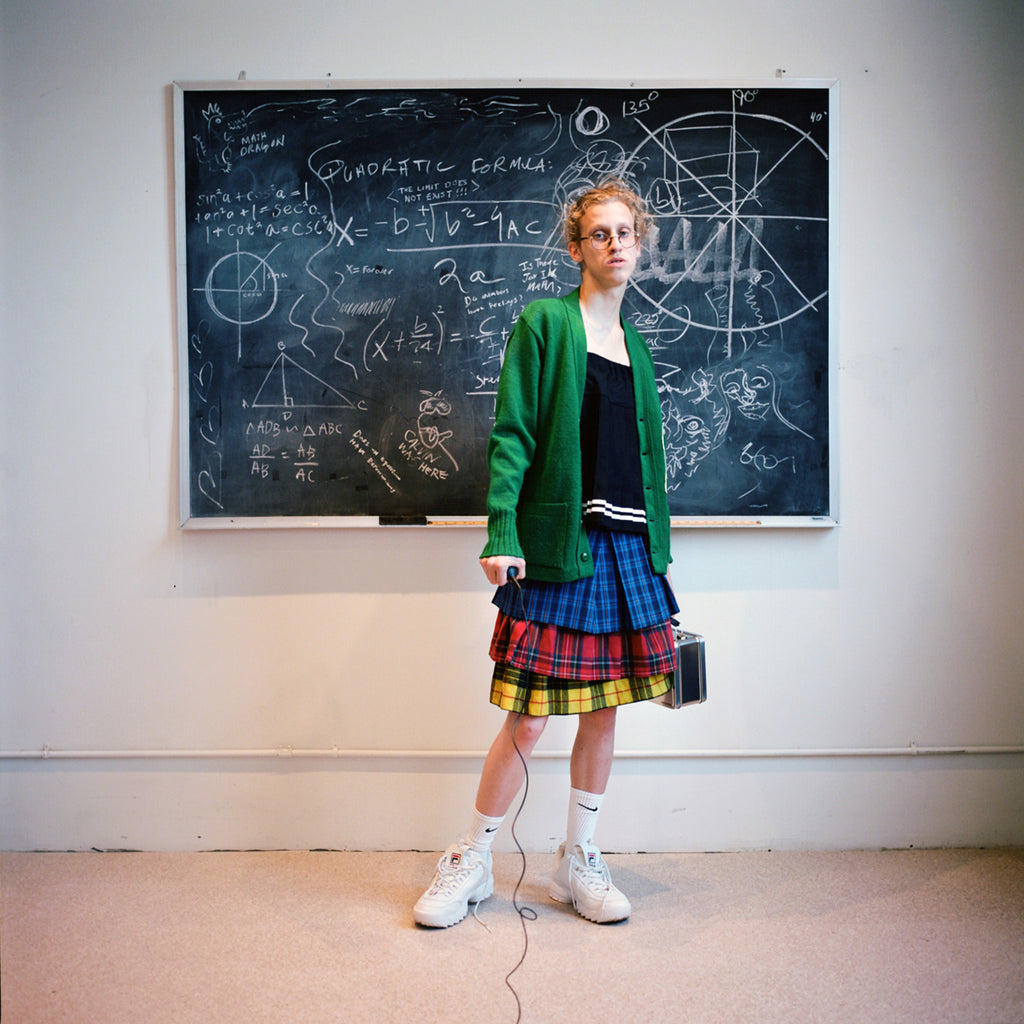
(578,545)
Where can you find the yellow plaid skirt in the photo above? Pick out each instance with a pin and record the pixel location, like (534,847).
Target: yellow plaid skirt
(515,689)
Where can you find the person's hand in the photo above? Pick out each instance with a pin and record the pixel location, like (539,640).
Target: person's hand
(496,568)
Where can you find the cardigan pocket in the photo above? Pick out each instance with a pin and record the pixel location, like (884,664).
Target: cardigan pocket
(544,529)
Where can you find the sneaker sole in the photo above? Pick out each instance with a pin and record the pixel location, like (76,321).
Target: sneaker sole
(605,920)
(558,894)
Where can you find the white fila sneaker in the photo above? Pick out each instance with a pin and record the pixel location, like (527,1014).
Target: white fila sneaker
(463,876)
(581,878)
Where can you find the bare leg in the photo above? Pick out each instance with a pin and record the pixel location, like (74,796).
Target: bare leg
(592,753)
(502,773)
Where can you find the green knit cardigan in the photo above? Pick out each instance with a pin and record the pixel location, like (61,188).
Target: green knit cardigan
(535,497)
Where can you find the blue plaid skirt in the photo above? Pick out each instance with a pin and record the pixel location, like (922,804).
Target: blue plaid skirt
(624,593)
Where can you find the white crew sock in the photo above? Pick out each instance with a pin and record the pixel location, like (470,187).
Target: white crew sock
(482,830)
(584,808)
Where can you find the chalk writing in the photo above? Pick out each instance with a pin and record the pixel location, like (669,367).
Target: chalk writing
(377,462)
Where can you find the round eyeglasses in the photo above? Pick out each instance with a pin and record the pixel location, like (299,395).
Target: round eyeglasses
(603,239)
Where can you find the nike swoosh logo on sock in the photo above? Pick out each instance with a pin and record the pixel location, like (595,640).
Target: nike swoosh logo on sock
(490,830)
(585,807)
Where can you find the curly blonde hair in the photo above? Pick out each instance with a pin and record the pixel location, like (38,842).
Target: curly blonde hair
(613,190)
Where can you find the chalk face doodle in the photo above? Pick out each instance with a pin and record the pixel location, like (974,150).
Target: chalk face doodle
(425,447)
(354,259)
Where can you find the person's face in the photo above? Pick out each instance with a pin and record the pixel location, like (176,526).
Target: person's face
(612,264)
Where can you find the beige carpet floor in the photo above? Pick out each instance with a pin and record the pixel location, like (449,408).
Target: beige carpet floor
(930,937)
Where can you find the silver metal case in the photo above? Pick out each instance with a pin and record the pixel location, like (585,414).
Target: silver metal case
(689,681)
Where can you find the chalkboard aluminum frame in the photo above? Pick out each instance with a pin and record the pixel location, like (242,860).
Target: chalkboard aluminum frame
(634,93)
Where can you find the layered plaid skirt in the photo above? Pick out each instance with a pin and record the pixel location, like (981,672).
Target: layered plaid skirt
(570,648)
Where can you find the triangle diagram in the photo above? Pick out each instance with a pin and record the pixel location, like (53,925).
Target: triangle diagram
(288,385)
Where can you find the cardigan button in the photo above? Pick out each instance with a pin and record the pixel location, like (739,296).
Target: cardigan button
(585,557)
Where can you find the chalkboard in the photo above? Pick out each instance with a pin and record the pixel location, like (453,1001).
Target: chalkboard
(352,258)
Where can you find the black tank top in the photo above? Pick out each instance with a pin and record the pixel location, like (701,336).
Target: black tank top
(613,495)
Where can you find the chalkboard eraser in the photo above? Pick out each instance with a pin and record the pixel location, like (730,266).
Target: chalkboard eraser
(402,520)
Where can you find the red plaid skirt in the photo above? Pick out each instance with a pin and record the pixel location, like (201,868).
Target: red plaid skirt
(549,650)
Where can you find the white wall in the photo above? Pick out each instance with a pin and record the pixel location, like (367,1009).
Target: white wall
(120,632)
